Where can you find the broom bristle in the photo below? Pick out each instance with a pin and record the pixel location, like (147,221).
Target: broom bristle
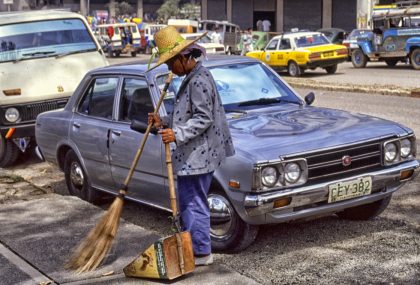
(93,249)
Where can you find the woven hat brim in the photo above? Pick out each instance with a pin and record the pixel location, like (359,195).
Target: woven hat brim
(175,51)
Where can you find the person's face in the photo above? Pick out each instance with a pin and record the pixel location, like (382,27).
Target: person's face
(177,65)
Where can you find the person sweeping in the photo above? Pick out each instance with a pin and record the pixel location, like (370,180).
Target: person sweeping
(198,128)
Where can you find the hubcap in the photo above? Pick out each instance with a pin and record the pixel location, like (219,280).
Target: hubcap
(76,175)
(417,58)
(221,216)
(293,69)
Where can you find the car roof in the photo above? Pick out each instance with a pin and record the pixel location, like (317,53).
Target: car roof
(330,30)
(140,67)
(30,16)
(296,34)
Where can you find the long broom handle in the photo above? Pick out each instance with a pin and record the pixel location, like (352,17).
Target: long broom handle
(172,197)
(146,135)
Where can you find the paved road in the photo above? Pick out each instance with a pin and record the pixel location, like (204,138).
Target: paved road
(374,74)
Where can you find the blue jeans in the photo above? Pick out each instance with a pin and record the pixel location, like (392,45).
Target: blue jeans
(194,209)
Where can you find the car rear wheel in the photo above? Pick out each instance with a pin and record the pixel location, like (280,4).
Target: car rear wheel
(228,231)
(294,69)
(9,152)
(391,62)
(358,58)
(331,69)
(415,59)
(365,212)
(133,54)
(76,178)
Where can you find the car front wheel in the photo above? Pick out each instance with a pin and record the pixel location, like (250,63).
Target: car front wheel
(9,152)
(358,58)
(415,58)
(76,178)
(294,70)
(228,232)
(331,69)
(365,212)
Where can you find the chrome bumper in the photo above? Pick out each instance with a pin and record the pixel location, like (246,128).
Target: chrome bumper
(312,200)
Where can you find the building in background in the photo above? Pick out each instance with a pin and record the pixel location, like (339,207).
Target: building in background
(287,14)
(283,15)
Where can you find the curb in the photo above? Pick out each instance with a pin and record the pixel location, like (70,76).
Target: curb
(345,87)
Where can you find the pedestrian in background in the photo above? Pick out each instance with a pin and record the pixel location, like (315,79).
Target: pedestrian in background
(266,25)
(259,25)
(216,37)
(247,41)
(198,127)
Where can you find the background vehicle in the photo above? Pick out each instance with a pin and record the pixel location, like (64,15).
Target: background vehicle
(149,31)
(211,48)
(120,38)
(297,51)
(335,35)
(287,164)
(351,40)
(231,33)
(184,26)
(43,57)
(395,38)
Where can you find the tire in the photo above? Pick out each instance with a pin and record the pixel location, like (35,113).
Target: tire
(9,152)
(365,212)
(76,178)
(133,54)
(391,62)
(331,69)
(358,58)
(117,53)
(229,233)
(415,58)
(294,70)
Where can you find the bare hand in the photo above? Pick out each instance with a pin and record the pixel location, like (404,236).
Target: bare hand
(155,120)
(168,135)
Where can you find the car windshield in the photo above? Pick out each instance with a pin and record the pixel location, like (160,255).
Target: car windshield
(44,38)
(311,40)
(241,86)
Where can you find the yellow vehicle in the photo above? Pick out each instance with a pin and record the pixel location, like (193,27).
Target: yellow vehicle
(297,51)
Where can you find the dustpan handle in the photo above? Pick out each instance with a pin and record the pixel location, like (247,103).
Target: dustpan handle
(127,180)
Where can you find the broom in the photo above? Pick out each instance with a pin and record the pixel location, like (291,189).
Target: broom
(91,252)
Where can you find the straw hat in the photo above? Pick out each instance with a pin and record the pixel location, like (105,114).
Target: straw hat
(169,43)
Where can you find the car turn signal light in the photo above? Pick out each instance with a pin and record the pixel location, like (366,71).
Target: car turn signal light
(406,174)
(281,202)
(234,184)
(12,92)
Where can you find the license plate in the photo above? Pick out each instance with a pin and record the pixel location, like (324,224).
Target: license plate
(328,54)
(349,189)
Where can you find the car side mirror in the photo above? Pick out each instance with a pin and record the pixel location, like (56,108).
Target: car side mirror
(141,127)
(310,98)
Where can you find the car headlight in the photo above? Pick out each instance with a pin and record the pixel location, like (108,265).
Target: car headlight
(269,176)
(405,148)
(12,115)
(390,152)
(292,172)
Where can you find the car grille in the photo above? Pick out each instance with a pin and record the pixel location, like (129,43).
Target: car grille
(29,112)
(327,165)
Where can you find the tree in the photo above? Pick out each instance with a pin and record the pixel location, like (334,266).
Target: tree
(168,9)
(124,8)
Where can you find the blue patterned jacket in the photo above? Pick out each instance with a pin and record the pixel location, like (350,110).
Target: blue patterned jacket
(199,123)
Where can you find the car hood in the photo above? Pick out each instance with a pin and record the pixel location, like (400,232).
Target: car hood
(271,133)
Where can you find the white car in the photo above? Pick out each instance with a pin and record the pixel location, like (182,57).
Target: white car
(211,48)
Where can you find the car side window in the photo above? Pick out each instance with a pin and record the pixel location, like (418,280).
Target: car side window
(135,102)
(98,100)
(272,45)
(285,44)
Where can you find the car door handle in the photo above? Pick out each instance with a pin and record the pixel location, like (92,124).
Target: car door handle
(76,125)
(117,133)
